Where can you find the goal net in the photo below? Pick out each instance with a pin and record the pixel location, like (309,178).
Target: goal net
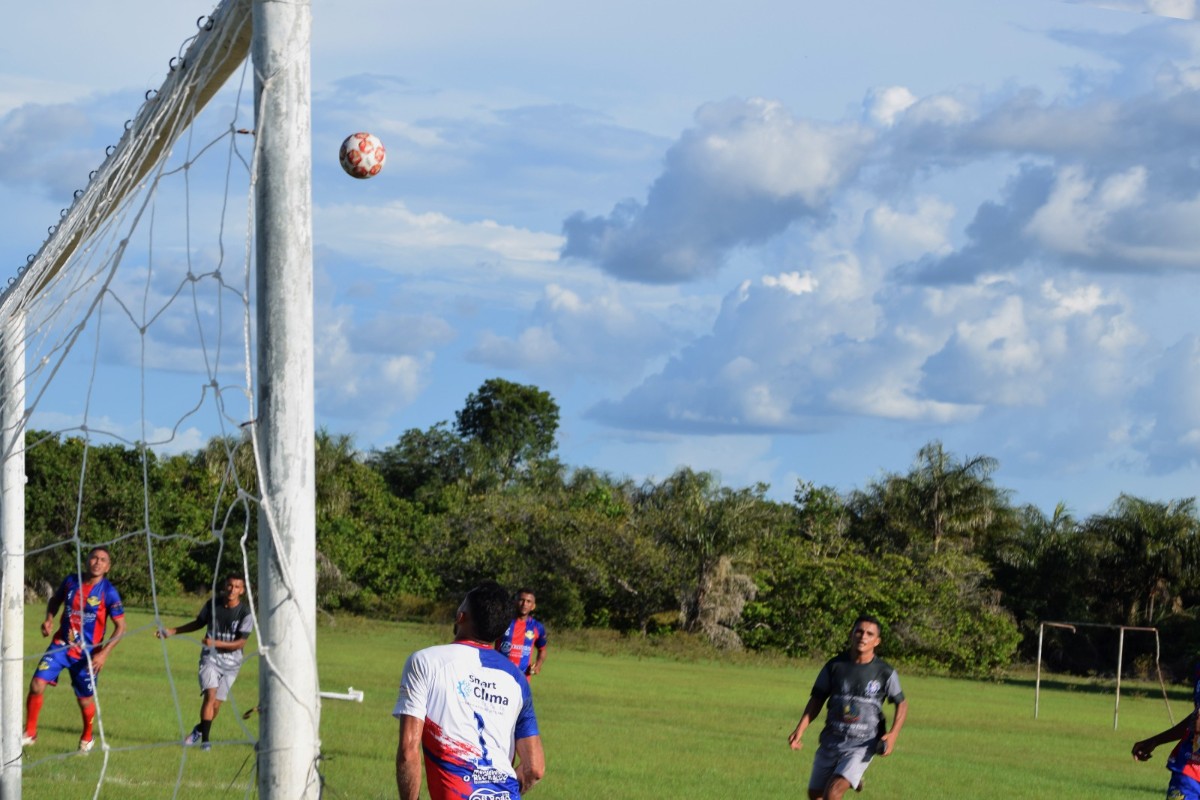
(159,332)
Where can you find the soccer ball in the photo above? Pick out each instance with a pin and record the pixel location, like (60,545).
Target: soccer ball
(362,155)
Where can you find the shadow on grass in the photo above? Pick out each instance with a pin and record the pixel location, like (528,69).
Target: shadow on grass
(1103,686)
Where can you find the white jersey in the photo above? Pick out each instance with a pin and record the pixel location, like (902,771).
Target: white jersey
(476,705)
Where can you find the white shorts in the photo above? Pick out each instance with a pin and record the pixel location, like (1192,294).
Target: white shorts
(213,677)
(850,764)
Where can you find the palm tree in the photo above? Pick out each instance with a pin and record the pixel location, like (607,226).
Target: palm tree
(1153,549)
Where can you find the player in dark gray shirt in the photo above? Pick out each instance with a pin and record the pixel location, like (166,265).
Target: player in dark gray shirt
(855,683)
(228,623)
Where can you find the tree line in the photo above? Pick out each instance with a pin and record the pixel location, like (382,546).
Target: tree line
(961,576)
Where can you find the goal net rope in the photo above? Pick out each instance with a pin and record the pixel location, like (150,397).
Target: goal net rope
(133,329)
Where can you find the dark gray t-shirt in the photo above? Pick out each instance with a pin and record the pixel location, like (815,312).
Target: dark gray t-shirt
(230,624)
(855,694)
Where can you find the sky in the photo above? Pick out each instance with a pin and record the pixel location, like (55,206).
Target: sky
(781,240)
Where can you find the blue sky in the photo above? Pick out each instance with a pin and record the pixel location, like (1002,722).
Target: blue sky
(777,239)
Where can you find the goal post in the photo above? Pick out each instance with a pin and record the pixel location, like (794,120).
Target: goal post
(12,551)
(1071,627)
(289,743)
(277,36)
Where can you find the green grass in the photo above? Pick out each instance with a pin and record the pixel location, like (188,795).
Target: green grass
(616,722)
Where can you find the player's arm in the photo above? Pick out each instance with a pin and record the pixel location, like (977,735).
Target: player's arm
(52,608)
(815,703)
(537,664)
(889,738)
(408,757)
(531,762)
(1142,750)
(101,651)
(187,627)
(225,647)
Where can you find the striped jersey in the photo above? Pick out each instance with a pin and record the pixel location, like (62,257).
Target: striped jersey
(86,611)
(476,706)
(520,640)
(1185,758)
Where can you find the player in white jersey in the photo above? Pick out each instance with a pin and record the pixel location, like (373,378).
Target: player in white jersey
(465,711)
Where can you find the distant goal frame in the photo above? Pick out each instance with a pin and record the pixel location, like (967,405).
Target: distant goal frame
(1071,626)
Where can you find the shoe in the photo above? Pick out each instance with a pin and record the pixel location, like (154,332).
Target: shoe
(206,746)
(192,738)
(27,740)
(86,745)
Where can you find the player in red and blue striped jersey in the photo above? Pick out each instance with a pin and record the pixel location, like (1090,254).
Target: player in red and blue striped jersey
(87,605)
(524,635)
(467,714)
(1184,761)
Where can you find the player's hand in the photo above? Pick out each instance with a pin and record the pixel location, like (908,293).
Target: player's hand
(98,660)
(161,633)
(533,670)
(1141,752)
(794,740)
(885,745)
(47,627)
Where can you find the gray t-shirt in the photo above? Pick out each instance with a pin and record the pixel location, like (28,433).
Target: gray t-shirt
(230,624)
(855,693)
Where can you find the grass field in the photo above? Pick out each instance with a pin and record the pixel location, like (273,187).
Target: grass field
(616,724)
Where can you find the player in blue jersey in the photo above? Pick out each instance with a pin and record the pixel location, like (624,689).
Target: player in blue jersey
(855,683)
(524,635)
(1184,761)
(87,605)
(466,712)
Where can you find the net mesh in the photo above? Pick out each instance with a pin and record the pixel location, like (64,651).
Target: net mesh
(135,323)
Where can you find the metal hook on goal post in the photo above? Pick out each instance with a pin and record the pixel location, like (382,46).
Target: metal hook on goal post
(351,694)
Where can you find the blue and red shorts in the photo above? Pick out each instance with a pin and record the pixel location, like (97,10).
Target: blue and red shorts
(57,658)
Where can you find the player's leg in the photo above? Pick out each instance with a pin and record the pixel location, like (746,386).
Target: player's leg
(824,764)
(836,788)
(210,679)
(848,774)
(84,684)
(46,674)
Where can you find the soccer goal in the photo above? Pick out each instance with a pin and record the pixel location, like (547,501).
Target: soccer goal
(1121,630)
(173,301)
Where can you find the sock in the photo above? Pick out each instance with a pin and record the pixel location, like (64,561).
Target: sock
(33,708)
(204,727)
(89,715)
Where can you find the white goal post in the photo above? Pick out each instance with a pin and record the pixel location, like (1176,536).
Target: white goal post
(1070,627)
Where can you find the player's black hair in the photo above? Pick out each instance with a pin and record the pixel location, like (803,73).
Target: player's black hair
(102,549)
(234,576)
(868,618)
(529,592)
(490,608)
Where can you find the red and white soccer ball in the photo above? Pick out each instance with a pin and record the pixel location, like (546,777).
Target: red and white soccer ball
(362,155)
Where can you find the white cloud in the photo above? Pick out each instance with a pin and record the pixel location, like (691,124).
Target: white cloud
(884,104)
(391,230)
(1178,9)
(605,333)
(742,175)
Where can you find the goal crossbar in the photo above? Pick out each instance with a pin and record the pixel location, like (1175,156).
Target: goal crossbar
(217,50)
(1070,627)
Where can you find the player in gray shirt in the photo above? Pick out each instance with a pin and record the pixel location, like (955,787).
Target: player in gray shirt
(228,623)
(855,683)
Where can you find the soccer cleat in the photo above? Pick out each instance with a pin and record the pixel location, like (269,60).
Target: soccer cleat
(192,738)
(86,745)
(27,740)
(206,746)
